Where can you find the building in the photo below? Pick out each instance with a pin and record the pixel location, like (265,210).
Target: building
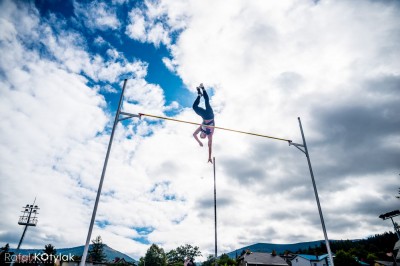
(261,259)
(310,260)
(397,248)
(384,263)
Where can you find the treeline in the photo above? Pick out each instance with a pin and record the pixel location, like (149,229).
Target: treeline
(377,247)
(347,253)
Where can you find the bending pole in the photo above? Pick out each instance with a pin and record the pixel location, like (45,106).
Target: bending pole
(233,130)
(316,195)
(89,235)
(215,213)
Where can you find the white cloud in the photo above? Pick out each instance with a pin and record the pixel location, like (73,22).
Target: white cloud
(137,29)
(100,41)
(69,48)
(97,15)
(157,21)
(169,64)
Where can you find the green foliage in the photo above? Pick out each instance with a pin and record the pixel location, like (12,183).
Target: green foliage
(141,261)
(209,262)
(6,248)
(344,259)
(177,256)
(371,257)
(155,256)
(224,260)
(3,251)
(377,245)
(49,249)
(96,253)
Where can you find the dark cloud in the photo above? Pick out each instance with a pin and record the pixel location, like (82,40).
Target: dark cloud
(241,170)
(373,206)
(207,203)
(357,139)
(384,85)
(341,223)
(10,237)
(257,235)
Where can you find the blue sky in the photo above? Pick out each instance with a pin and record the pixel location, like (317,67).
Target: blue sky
(150,53)
(264,63)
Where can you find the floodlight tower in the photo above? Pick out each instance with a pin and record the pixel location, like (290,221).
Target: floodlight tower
(391,215)
(28,218)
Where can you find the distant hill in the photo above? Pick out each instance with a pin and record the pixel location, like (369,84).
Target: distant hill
(109,252)
(279,248)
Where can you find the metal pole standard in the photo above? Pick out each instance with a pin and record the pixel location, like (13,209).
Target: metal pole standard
(215,213)
(85,251)
(316,194)
(395,228)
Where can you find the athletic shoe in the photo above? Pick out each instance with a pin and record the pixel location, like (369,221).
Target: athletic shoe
(199,92)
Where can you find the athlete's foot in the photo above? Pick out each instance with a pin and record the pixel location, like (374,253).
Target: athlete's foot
(201,86)
(199,92)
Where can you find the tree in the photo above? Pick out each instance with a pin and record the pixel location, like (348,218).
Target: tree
(155,256)
(344,259)
(209,262)
(141,261)
(50,250)
(225,260)
(177,256)
(96,252)
(371,257)
(3,251)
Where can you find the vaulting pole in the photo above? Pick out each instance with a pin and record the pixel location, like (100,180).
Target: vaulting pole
(215,213)
(89,235)
(316,194)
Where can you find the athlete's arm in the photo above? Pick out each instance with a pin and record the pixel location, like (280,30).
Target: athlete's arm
(197,138)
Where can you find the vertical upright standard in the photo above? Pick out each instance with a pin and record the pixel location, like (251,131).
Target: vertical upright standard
(215,214)
(305,151)
(89,235)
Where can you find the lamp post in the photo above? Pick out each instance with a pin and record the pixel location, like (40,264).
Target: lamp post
(390,215)
(28,218)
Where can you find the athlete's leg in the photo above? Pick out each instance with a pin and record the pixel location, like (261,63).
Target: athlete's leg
(209,110)
(200,111)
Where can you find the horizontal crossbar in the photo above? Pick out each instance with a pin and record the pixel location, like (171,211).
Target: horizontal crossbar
(233,130)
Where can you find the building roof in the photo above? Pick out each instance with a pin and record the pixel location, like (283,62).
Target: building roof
(262,258)
(385,263)
(313,257)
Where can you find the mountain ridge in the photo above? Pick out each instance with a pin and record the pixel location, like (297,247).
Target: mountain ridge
(279,248)
(110,253)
